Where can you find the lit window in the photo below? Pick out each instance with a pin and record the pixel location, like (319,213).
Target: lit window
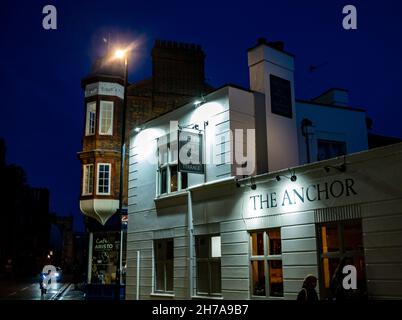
(103,178)
(266,263)
(91,119)
(170,179)
(164,265)
(88,175)
(328,149)
(106,118)
(208,254)
(340,243)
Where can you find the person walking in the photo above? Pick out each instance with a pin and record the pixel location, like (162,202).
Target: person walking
(307,292)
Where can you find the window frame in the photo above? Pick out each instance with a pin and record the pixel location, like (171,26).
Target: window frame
(168,165)
(109,180)
(102,104)
(165,262)
(330,143)
(266,258)
(341,252)
(87,182)
(209,260)
(89,129)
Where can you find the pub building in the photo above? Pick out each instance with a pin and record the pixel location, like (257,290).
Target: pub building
(245,192)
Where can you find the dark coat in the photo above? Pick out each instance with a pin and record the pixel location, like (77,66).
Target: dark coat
(307,295)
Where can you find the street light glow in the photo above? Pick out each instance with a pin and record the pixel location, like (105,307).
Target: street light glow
(119,53)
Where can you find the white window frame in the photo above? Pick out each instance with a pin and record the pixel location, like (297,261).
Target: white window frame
(164,262)
(168,165)
(90,130)
(266,258)
(97,178)
(86,183)
(102,104)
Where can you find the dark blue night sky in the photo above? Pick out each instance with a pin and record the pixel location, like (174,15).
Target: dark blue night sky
(42,102)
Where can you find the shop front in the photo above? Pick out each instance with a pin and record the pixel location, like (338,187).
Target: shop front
(104,247)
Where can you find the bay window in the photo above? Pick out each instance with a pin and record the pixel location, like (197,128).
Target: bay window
(90,119)
(103,178)
(106,118)
(87,181)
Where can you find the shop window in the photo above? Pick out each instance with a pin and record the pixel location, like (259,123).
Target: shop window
(106,118)
(103,178)
(104,257)
(340,243)
(169,178)
(164,265)
(328,149)
(88,176)
(208,256)
(266,263)
(91,119)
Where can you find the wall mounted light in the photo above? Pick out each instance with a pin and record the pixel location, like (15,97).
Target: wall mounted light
(252,184)
(340,168)
(292,177)
(199,101)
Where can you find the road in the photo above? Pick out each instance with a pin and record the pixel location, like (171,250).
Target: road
(28,289)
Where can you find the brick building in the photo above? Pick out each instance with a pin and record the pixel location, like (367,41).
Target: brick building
(177,77)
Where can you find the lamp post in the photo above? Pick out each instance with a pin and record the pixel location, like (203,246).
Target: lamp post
(121,54)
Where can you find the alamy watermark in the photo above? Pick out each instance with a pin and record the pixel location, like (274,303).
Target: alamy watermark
(49,21)
(350,20)
(212,148)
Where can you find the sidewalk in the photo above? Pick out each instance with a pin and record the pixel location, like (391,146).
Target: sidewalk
(73,294)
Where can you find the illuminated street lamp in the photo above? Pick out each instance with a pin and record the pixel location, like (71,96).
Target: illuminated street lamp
(121,54)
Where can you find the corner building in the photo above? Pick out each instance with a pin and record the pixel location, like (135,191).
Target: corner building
(308,195)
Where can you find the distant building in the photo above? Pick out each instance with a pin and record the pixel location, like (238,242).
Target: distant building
(25,227)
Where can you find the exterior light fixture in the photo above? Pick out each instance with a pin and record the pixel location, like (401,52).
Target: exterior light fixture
(199,101)
(340,168)
(292,177)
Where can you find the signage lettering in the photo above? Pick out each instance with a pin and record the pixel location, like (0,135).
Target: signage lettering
(311,193)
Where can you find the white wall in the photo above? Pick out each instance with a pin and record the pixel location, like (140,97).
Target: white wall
(331,123)
(282,143)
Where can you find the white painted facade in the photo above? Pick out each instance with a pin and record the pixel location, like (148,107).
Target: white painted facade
(222,202)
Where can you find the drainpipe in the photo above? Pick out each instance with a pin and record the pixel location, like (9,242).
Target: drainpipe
(190,245)
(138,275)
(89,275)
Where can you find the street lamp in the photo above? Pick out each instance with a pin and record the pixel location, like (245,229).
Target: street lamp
(121,54)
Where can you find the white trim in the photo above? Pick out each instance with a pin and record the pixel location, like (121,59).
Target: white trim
(87,119)
(102,104)
(97,178)
(84,177)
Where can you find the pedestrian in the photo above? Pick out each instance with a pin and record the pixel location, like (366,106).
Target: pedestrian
(308,293)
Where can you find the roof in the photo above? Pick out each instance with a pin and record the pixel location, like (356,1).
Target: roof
(331,105)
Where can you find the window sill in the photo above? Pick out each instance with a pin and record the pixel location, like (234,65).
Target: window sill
(171,195)
(207,297)
(266,298)
(162,295)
